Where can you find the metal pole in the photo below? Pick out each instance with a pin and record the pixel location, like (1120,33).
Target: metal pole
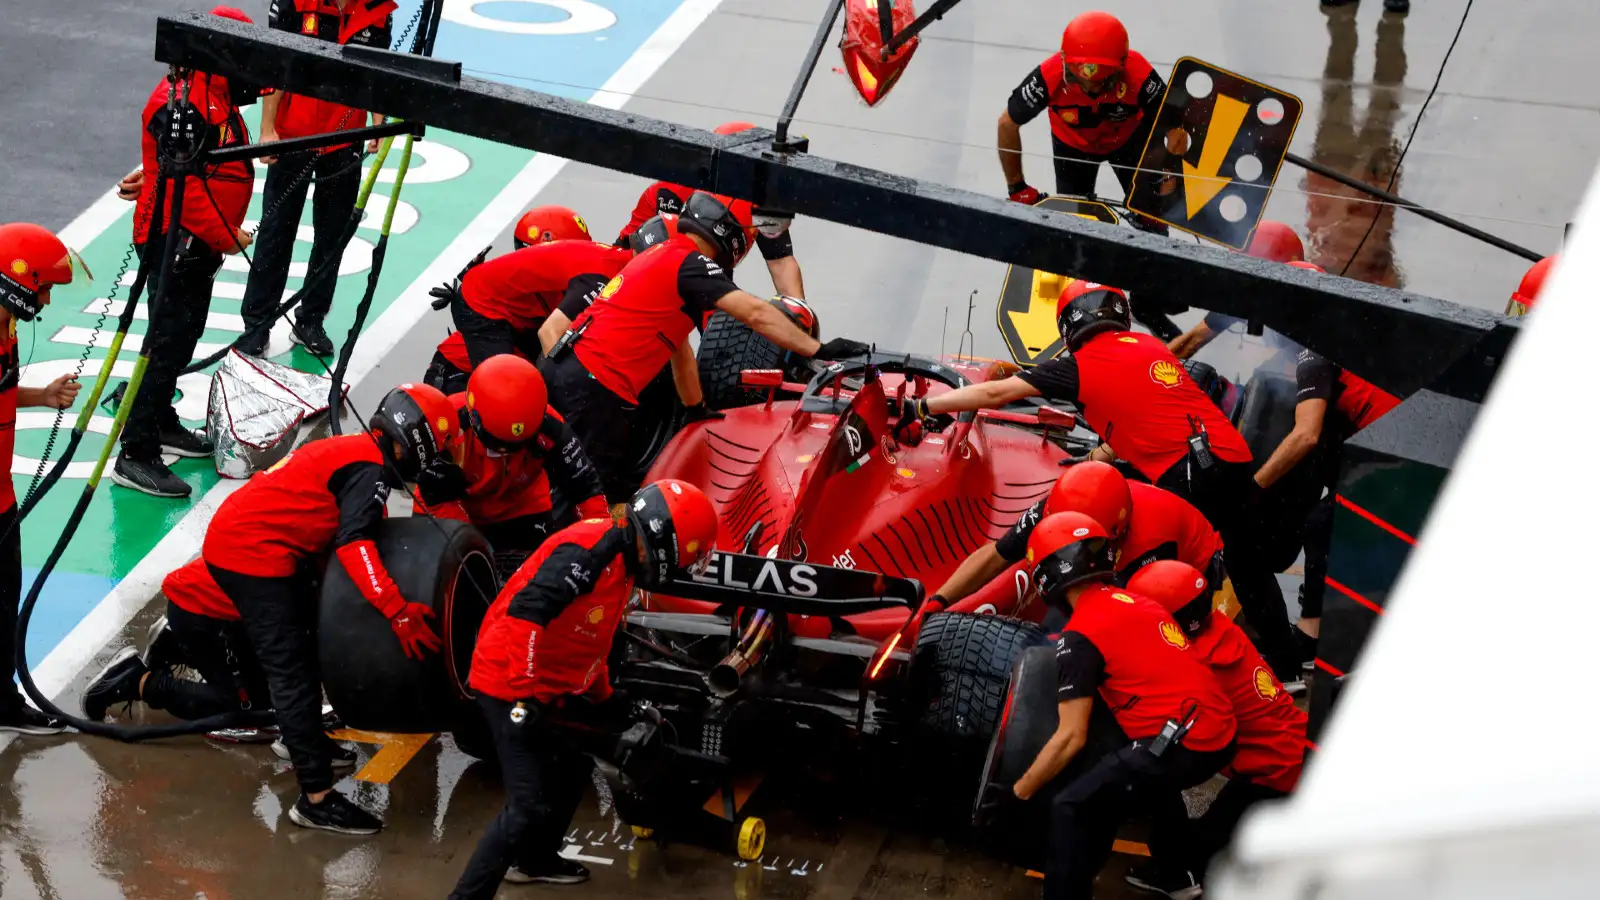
(809,65)
(1422,211)
(934,14)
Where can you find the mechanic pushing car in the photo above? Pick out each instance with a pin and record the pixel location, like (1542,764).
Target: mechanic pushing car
(1127,650)
(497,306)
(35,261)
(1136,395)
(770,233)
(1271,734)
(1273,240)
(1103,99)
(541,659)
(641,322)
(1146,524)
(1321,389)
(265,545)
(517,452)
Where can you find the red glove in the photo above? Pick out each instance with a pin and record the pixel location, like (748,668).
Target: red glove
(1025,193)
(410,625)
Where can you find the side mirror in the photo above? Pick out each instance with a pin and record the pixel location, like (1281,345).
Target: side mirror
(1054,418)
(761,378)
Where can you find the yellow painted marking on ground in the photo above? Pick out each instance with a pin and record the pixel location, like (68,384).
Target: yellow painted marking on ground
(394,751)
(1132,848)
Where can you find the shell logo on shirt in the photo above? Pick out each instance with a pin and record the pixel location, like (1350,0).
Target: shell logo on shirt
(1166,373)
(1172,634)
(308,25)
(1266,685)
(611,287)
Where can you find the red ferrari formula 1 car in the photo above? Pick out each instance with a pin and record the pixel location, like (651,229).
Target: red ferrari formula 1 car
(809,625)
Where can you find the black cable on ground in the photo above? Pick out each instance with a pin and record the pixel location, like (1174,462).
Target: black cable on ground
(1415,127)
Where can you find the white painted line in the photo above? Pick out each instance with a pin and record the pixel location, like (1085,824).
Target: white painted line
(215,320)
(570,851)
(78,336)
(180,545)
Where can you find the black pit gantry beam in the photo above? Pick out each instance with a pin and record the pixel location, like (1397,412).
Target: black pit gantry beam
(1400,341)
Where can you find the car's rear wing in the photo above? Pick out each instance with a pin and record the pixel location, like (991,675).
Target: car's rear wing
(788,586)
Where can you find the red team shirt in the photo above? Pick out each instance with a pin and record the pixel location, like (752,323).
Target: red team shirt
(1136,395)
(549,630)
(1129,650)
(1098,124)
(1161,525)
(9,375)
(1272,730)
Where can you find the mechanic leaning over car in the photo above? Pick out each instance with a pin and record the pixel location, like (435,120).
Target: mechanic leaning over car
(1271,733)
(641,322)
(36,261)
(771,234)
(1331,405)
(201,630)
(1128,651)
(1137,397)
(266,545)
(497,306)
(541,659)
(1273,241)
(1145,522)
(517,452)
(1103,99)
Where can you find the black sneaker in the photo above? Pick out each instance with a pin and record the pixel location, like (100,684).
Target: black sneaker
(340,756)
(27,720)
(311,336)
(117,683)
(179,440)
(335,813)
(253,343)
(555,870)
(148,477)
(1158,879)
(161,650)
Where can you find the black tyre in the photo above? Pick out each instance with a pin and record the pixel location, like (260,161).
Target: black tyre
(962,671)
(658,417)
(472,735)
(728,347)
(370,681)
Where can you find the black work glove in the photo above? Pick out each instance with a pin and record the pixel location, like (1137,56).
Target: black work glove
(993,798)
(913,422)
(441,483)
(701,413)
(445,294)
(841,348)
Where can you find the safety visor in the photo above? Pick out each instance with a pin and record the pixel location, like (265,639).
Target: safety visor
(489,440)
(1094,72)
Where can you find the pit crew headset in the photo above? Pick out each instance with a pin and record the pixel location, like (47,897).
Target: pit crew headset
(506,400)
(419,433)
(32,260)
(1068,549)
(1087,308)
(676,527)
(709,218)
(543,224)
(654,232)
(1179,588)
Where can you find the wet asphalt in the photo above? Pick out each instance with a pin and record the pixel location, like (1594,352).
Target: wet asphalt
(1508,144)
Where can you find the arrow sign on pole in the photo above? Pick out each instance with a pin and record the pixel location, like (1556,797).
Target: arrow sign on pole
(1026,313)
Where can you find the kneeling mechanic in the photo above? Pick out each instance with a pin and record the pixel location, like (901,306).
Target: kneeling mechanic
(1272,735)
(1127,650)
(541,657)
(268,540)
(519,457)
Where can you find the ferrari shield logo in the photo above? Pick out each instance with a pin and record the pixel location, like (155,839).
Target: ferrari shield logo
(1026,313)
(1214,153)
(308,24)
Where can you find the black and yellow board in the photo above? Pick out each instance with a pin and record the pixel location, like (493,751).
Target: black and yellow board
(1026,313)
(1213,181)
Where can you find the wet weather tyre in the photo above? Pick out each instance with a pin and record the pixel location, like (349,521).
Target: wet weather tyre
(370,681)
(962,671)
(728,347)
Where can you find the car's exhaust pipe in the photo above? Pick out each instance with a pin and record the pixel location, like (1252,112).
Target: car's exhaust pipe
(725,677)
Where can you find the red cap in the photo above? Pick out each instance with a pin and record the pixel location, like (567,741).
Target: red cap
(1276,241)
(1097,490)
(1169,582)
(549,223)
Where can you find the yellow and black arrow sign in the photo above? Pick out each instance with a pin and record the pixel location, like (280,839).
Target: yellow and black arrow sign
(1026,313)
(1214,153)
